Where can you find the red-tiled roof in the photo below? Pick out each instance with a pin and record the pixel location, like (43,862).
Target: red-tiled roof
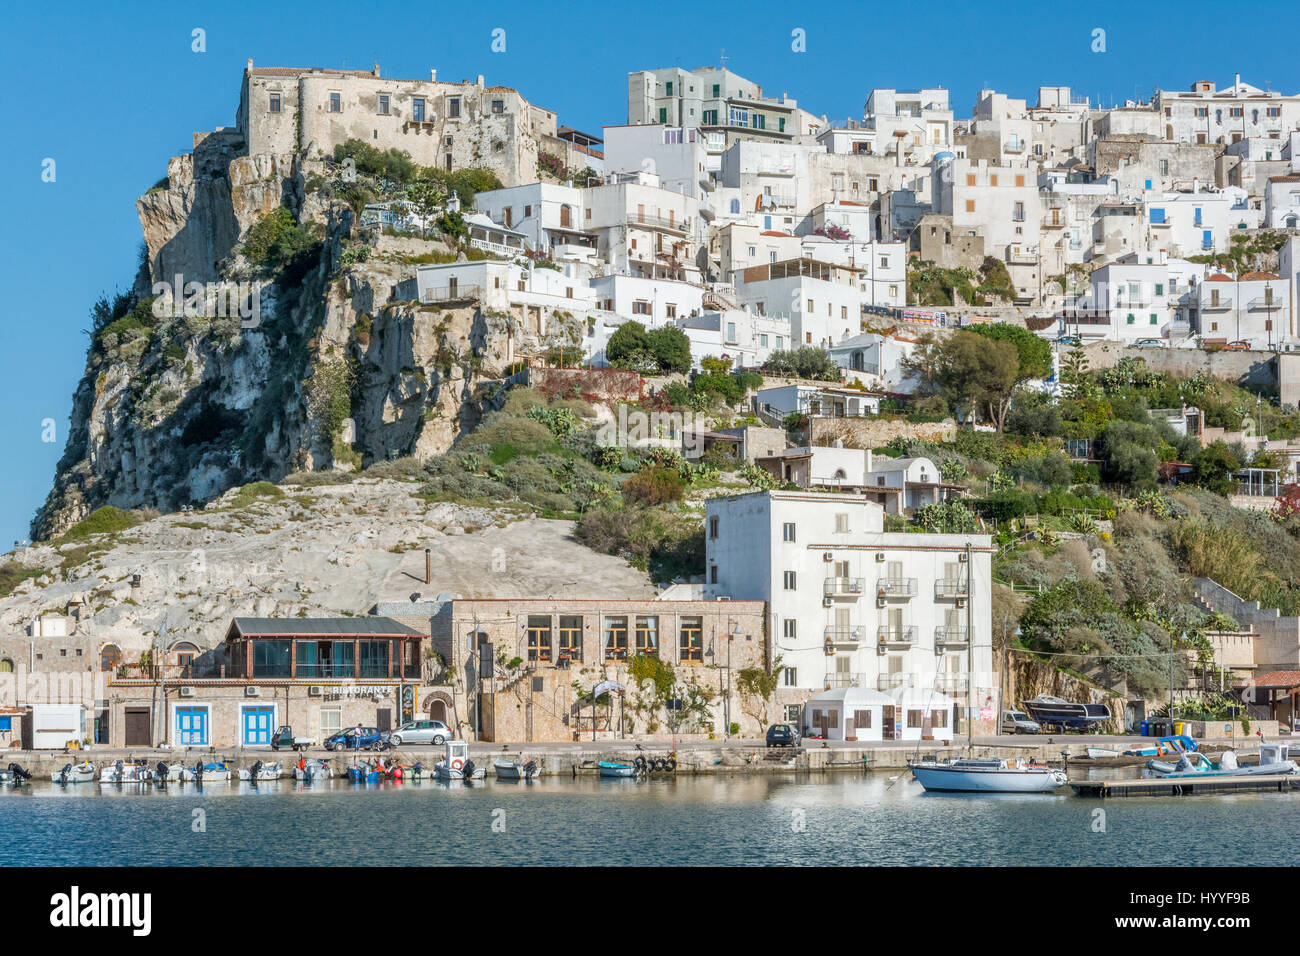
(775,232)
(1219,278)
(1288,679)
(1259,276)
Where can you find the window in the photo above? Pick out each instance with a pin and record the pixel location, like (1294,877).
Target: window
(791,712)
(713,574)
(417,109)
(453,107)
(841,524)
(1153,319)
(615,638)
(970,179)
(647,634)
(539,638)
(787,531)
(762,340)
(1273,111)
(716,89)
(811,309)
(1235,111)
(382,108)
(713,527)
(670,310)
(1147,184)
(1156,216)
(331,721)
(690,640)
(790,676)
(993,179)
(640,307)
(1130,318)
(570,637)
(1160,288)
(731,331)
(862,719)
(275,103)
(915,718)
(663,115)
(1164,167)
(498,106)
(336,103)
(1020,180)
(790,581)
(1018,212)
(790,627)
(970,205)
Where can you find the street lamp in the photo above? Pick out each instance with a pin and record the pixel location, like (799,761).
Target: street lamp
(731,636)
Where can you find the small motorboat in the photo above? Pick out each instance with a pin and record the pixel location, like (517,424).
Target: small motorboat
(1272,760)
(611,768)
(313,770)
(216,770)
(120,772)
(172,773)
(1164,745)
(262,771)
(15,774)
(457,765)
(74,773)
(514,770)
(987,775)
(363,771)
(1095,753)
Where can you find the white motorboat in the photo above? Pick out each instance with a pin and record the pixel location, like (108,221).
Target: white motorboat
(514,770)
(313,770)
(172,773)
(122,772)
(15,774)
(74,773)
(202,772)
(987,775)
(1273,759)
(262,771)
(457,765)
(1096,752)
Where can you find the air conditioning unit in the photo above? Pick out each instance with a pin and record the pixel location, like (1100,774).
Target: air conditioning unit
(252,692)
(315,690)
(827,556)
(187,691)
(881,651)
(962,556)
(961,602)
(880,555)
(882,602)
(828,602)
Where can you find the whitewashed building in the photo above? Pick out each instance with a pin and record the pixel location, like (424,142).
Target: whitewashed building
(823,301)
(852,606)
(1282,202)
(1254,308)
(745,338)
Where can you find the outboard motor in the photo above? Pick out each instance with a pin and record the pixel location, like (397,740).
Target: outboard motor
(20,775)
(117,771)
(198,770)
(530,768)
(468,770)
(163,771)
(63,774)
(254,771)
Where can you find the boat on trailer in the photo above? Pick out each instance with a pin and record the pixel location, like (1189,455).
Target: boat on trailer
(1057,712)
(987,775)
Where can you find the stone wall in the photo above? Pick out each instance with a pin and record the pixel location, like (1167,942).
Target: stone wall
(1277,646)
(1249,368)
(876,432)
(601,385)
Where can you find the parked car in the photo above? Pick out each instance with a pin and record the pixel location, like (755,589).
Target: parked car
(422,732)
(782,735)
(1018,722)
(371,737)
(1069,340)
(1150,344)
(1241,345)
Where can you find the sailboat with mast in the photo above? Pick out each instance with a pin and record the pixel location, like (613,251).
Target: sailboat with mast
(970,774)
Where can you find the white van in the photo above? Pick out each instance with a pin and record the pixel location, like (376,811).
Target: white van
(1018,722)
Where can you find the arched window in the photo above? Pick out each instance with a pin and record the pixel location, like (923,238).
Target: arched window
(735,207)
(110,655)
(6,666)
(183,655)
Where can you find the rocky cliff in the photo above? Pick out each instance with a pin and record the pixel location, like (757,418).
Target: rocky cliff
(184,399)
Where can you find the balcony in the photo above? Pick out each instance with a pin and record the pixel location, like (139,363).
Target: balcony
(1120,306)
(843,587)
(896,587)
(950,634)
(450,293)
(843,635)
(951,682)
(1263,304)
(950,589)
(890,681)
(1223,305)
(905,635)
(845,679)
(1022,257)
(1054,221)
(680,226)
(1017,147)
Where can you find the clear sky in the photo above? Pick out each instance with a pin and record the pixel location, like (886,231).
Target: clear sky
(110,91)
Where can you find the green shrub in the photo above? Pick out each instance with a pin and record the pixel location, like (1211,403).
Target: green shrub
(103,520)
(655,485)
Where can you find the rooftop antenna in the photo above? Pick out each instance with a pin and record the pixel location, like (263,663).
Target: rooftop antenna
(722,59)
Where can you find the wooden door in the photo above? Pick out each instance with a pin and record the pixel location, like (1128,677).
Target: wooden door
(887,722)
(384,719)
(137,727)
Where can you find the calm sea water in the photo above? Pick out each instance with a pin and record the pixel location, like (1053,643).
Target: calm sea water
(817,820)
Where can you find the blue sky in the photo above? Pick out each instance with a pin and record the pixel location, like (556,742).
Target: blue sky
(109,92)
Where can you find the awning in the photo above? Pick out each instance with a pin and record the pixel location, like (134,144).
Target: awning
(604,687)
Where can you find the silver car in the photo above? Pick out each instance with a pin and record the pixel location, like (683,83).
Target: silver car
(422,732)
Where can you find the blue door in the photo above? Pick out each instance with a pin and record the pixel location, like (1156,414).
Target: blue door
(258,725)
(192,726)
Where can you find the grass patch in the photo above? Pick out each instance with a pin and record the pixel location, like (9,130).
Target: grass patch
(252,493)
(12,575)
(103,520)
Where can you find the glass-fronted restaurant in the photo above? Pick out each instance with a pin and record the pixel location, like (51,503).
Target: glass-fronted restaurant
(323,649)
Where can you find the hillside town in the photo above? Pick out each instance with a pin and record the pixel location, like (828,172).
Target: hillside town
(885,415)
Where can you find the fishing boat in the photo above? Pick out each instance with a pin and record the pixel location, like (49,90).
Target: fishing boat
(610,768)
(313,770)
(1055,712)
(262,771)
(216,770)
(15,774)
(457,765)
(74,773)
(1273,759)
(120,772)
(172,773)
(514,770)
(363,771)
(987,775)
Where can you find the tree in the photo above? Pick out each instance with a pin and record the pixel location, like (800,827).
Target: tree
(671,349)
(756,686)
(426,199)
(1129,451)
(969,371)
(1034,353)
(1215,467)
(628,343)
(1074,374)
(807,362)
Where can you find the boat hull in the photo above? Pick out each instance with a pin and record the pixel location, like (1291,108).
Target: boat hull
(75,775)
(617,770)
(948,780)
(512,770)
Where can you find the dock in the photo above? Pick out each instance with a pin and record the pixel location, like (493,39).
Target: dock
(1185,786)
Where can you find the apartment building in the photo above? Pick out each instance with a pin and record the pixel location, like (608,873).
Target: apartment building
(823,301)
(851,605)
(1282,203)
(1131,301)
(553,217)
(743,245)
(676,154)
(713,99)
(642,229)
(909,126)
(1206,114)
(1195,221)
(1254,308)
(883,267)
(1000,131)
(745,338)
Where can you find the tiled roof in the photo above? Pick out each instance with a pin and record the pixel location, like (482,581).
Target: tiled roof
(1259,276)
(1219,278)
(1286,679)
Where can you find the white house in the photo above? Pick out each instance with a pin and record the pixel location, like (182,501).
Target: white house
(743,245)
(882,266)
(1254,308)
(851,605)
(550,216)
(1282,202)
(745,338)
(652,302)
(858,713)
(1197,221)
(828,400)
(643,229)
(676,154)
(1134,298)
(819,466)
(822,300)
(878,356)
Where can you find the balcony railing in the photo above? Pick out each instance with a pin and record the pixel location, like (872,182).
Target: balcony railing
(1223,305)
(845,679)
(950,589)
(658,222)
(1014,147)
(1123,304)
(1021,257)
(1262,304)
(450,293)
(896,587)
(897,635)
(951,682)
(838,634)
(890,681)
(843,587)
(949,634)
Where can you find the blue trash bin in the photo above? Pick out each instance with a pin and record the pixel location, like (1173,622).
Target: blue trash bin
(1146,728)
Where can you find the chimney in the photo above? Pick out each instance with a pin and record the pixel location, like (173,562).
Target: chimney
(1196,184)
(428,565)
(479,81)
(250,64)
(1236,79)
(433,76)
(376,69)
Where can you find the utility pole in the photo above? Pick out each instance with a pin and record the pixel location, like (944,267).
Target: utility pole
(970,653)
